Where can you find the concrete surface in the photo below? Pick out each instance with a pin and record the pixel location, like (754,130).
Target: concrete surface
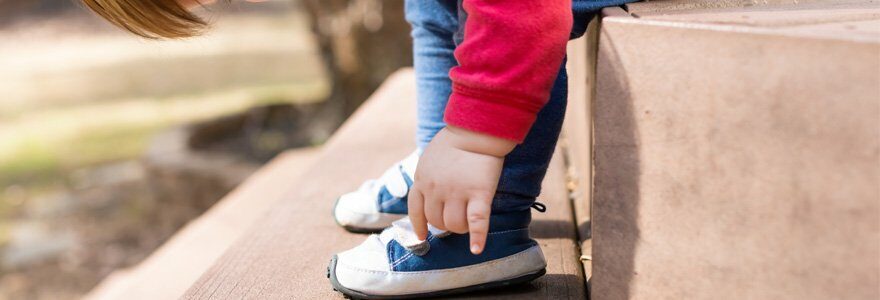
(777,16)
(735,162)
(851,21)
(689,6)
(285,255)
(171,269)
(577,133)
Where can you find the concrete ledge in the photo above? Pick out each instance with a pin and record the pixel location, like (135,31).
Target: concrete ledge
(690,6)
(577,133)
(735,161)
(858,21)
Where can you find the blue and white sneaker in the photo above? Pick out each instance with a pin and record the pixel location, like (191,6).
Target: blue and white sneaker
(396,265)
(378,202)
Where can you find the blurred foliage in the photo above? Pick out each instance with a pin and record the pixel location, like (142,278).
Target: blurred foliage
(38,159)
(13,10)
(361,43)
(82,98)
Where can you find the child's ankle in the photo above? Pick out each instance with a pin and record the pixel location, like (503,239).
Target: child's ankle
(512,220)
(505,203)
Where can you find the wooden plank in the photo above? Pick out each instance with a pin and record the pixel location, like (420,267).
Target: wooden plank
(286,254)
(175,266)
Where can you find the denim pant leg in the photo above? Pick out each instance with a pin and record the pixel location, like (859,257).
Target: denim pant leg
(433,24)
(526,165)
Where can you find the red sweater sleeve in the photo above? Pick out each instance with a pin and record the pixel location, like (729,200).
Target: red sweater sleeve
(508,61)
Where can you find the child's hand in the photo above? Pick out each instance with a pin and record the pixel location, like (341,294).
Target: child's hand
(455,182)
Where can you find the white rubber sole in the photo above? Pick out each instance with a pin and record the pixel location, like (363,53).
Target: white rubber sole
(372,284)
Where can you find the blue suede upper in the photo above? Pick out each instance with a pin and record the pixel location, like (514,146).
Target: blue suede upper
(393,205)
(508,235)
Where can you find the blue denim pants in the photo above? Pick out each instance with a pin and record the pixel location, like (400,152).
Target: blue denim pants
(436,30)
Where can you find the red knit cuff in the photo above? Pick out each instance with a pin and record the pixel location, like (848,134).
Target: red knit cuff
(492,117)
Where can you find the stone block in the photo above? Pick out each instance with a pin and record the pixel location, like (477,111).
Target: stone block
(735,161)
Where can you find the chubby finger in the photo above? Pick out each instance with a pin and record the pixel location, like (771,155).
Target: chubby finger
(455,216)
(478,211)
(434,211)
(415,205)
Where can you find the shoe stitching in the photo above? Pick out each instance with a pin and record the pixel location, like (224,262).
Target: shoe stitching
(401,260)
(390,253)
(508,231)
(396,262)
(385,205)
(408,255)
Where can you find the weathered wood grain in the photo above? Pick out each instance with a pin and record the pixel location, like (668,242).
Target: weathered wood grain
(285,255)
(175,266)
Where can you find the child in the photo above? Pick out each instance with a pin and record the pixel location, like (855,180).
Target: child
(492,93)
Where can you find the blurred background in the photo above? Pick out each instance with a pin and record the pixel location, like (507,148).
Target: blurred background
(110,143)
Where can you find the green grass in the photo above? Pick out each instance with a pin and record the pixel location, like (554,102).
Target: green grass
(31,157)
(39,149)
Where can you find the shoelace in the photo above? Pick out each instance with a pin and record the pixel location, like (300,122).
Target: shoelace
(540,207)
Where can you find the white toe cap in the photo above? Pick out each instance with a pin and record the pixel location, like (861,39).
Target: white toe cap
(359,210)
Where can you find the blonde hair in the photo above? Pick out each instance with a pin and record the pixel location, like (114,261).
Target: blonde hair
(152,19)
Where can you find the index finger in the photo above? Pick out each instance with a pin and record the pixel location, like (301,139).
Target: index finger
(478,211)
(415,205)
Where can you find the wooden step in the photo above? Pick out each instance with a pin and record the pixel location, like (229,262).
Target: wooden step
(285,255)
(737,154)
(171,269)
